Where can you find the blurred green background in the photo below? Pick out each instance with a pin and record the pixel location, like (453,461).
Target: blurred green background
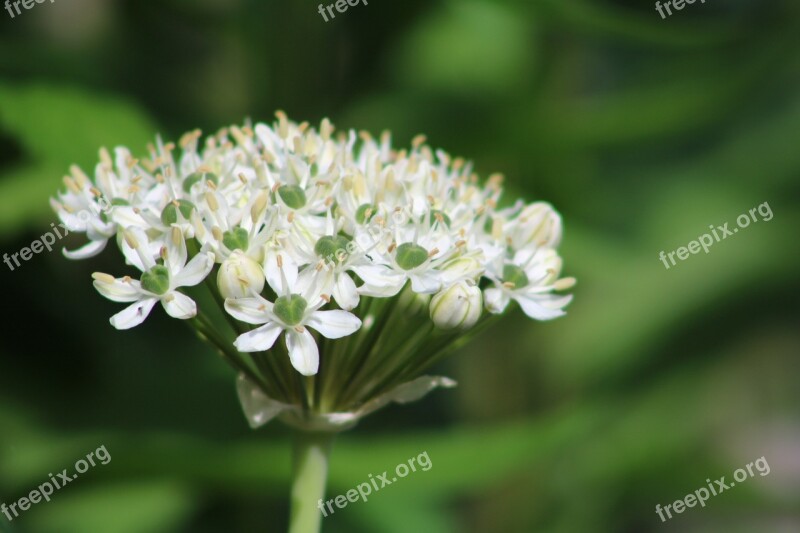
(641,131)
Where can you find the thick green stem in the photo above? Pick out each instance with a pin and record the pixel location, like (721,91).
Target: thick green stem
(309,474)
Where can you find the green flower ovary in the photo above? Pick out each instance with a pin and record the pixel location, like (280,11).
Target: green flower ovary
(156,280)
(197,177)
(290,309)
(328,247)
(410,255)
(237,239)
(514,274)
(169,215)
(361,213)
(292,195)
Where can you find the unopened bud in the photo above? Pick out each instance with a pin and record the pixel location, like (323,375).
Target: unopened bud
(462,267)
(458,306)
(538,225)
(238,275)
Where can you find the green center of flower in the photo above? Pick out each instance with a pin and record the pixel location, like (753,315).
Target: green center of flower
(334,248)
(238,239)
(169,215)
(514,274)
(290,309)
(197,177)
(410,255)
(156,280)
(361,213)
(120,202)
(293,195)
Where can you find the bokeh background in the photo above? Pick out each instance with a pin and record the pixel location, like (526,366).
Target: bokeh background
(641,131)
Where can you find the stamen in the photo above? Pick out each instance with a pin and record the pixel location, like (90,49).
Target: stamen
(212,201)
(130,239)
(71,185)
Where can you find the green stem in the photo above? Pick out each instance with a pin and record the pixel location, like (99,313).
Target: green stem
(309,475)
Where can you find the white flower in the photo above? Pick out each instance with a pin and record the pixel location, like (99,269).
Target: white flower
(294,311)
(158,282)
(529,280)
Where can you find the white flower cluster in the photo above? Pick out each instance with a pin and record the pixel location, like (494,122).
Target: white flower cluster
(303,224)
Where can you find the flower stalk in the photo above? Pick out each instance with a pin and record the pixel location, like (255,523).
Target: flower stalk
(310,454)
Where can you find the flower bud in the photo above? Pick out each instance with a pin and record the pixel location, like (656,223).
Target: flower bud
(537,225)
(462,267)
(458,306)
(238,274)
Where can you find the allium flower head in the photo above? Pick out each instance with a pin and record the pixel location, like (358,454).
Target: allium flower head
(369,261)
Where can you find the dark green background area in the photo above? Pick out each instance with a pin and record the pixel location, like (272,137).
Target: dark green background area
(641,131)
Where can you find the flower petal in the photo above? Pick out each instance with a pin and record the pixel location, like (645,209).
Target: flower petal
(379,280)
(250,310)
(258,340)
(426,282)
(544,307)
(303,351)
(176,251)
(334,324)
(281,280)
(496,300)
(196,271)
(90,249)
(119,290)
(134,314)
(345,292)
(179,305)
